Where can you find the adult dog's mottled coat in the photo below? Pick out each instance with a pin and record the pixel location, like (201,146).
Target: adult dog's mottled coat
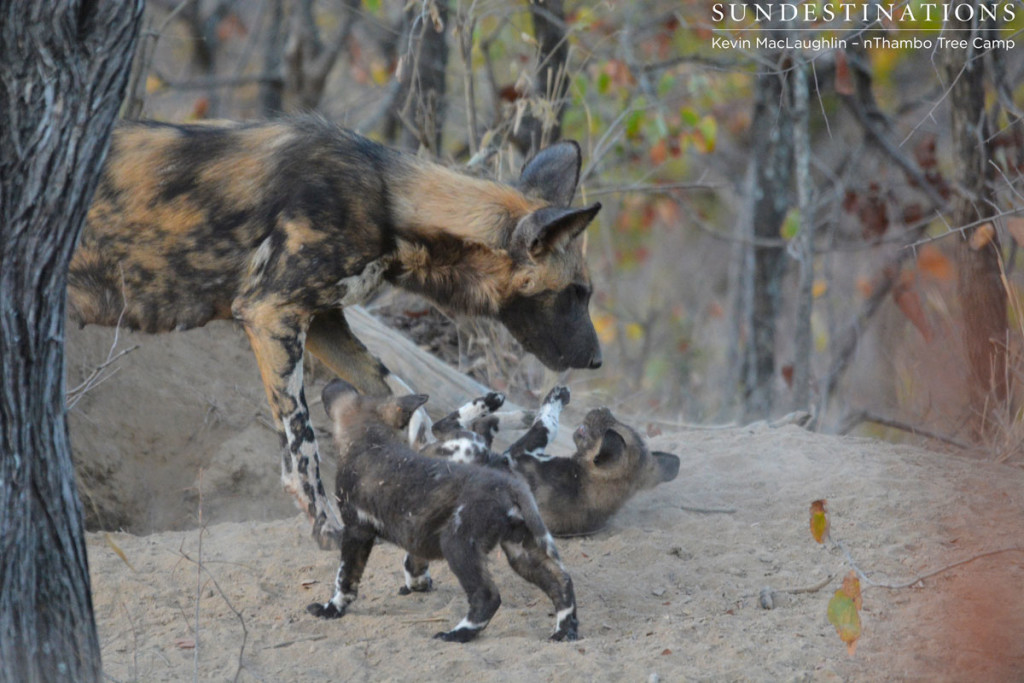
(433,509)
(280,225)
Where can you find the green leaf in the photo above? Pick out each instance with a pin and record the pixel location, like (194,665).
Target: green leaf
(689,115)
(791,225)
(708,128)
(843,614)
(634,122)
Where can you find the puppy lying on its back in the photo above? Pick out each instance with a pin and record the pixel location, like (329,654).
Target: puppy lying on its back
(433,509)
(576,494)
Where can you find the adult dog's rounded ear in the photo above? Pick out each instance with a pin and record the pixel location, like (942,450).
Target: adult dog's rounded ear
(553,173)
(335,390)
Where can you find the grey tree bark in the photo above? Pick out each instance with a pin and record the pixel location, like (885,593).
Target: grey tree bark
(772,161)
(63,71)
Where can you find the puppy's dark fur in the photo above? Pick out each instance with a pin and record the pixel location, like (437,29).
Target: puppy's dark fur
(433,509)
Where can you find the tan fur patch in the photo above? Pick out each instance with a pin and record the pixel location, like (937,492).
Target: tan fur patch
(439,200)
(242,175)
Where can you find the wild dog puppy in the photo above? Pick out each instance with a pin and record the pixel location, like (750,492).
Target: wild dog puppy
(433,509)
(579,493)
(280,225)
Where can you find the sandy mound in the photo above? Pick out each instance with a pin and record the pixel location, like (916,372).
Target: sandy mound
(670,589)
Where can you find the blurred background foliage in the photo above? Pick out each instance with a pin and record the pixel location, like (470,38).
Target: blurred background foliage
(783,228)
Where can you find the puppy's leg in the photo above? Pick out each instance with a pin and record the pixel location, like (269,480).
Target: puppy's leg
(417,575)
(466,559)
(356,544)
(544,428)
(466,416)
(276,334)
(538,564)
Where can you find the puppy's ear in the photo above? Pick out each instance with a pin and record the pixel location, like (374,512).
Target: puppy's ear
(336,389)
(401,409)
(612,448)
(668,465)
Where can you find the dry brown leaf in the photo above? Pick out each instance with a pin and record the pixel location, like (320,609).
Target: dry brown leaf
(932,262)
(1015,226)
(844,81)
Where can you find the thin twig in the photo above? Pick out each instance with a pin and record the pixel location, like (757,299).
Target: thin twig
(926,575)
(867,416)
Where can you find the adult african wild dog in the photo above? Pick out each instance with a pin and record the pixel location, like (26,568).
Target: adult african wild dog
(576,494)
(280,225)
(433,509)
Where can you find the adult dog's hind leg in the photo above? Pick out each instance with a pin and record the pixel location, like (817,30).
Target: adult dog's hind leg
(330,339)
(276,336)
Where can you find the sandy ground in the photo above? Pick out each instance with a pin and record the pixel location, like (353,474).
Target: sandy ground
(669,591)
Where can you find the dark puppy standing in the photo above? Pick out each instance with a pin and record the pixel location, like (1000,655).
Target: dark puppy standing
(280,225)
(434,509)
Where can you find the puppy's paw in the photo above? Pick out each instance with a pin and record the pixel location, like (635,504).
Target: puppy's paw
(325,610)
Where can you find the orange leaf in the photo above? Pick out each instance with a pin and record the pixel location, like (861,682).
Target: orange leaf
(659,152)
(851,586)
(864,286)
(909,304)
(819,521)
(200,109)
(844,82)
(981,236)
(932,262)
(1015,226)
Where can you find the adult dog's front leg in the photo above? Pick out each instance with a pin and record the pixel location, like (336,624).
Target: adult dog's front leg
(277,336)
(331,340)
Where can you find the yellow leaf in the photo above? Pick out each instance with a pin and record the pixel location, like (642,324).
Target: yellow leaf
(634,332)
(154,84)
(819,288)
(379,72)
(604,324)
(819,521)
(981,236)
(117,551)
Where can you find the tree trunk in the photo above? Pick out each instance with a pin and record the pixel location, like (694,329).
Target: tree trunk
(979,282)
(63,71)
(772,160)
(417,113)
(549,29)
